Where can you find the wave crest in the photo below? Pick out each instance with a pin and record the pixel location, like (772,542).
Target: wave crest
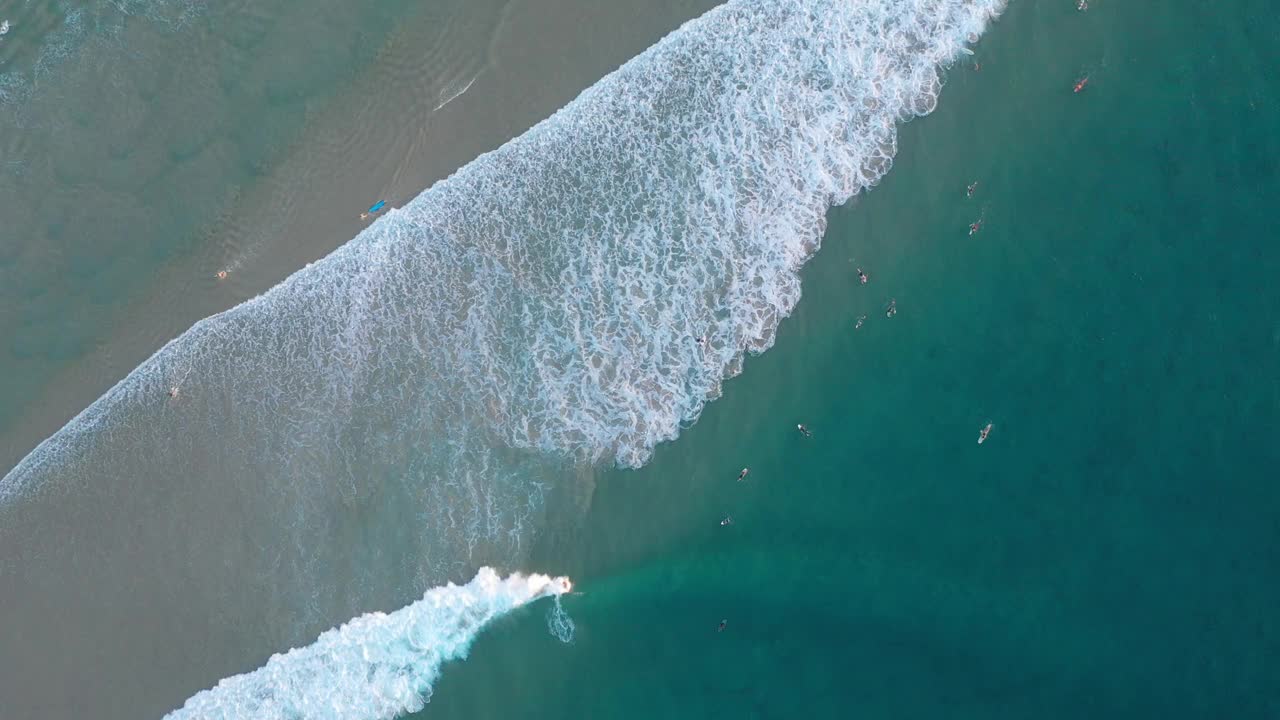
(401,409)
(377,666)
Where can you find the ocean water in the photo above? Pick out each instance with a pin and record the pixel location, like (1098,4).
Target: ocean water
(1109,551)
(452,387)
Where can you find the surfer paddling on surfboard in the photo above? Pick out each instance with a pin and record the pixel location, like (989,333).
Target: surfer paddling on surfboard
(982,434)
(976,225)
(1081,83)
(373,209)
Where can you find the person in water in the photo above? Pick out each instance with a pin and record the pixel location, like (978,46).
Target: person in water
(804,431)
(723,624)
(975,226)
(173,391)
(862,277)
(373,209)
(861,319)
(1081,83)
(728,520)
(743,475)
(222,274)
(892,309)
(982,435)
(973,187)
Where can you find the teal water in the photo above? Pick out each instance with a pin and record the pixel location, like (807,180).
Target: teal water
(1110,550)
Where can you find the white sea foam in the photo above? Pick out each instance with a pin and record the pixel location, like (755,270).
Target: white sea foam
(556,285)
(377,666)
(423,386)
(559,624)
(449,95)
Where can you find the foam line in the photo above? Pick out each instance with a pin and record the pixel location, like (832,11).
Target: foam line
(552,291)
(377,666)
(573,298)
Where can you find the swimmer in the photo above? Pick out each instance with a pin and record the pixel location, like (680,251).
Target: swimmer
(861,319)
(701,340)
(1081,83)
(723,625)
(892,309)
(1082,5)
(5,27)
(222,274)
(982,435)
(173,391)
(728,520)
(804,431)
(862,277)
(975,226)
(977,67)
(972,188)
(743,475)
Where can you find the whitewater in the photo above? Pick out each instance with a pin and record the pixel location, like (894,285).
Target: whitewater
(378,666)
(421,401)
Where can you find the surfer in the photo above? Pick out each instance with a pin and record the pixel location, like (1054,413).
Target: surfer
(728,520)
(723,625)
(862,277)
(1081,83)
(972,188)
(804,431)
(861,319)
(373,209)
(743,475)
(982,435)
(892,309)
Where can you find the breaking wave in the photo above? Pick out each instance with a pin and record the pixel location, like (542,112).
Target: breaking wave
(376,667)
(403,409)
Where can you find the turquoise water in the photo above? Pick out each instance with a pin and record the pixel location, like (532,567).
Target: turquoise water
(1108,551)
